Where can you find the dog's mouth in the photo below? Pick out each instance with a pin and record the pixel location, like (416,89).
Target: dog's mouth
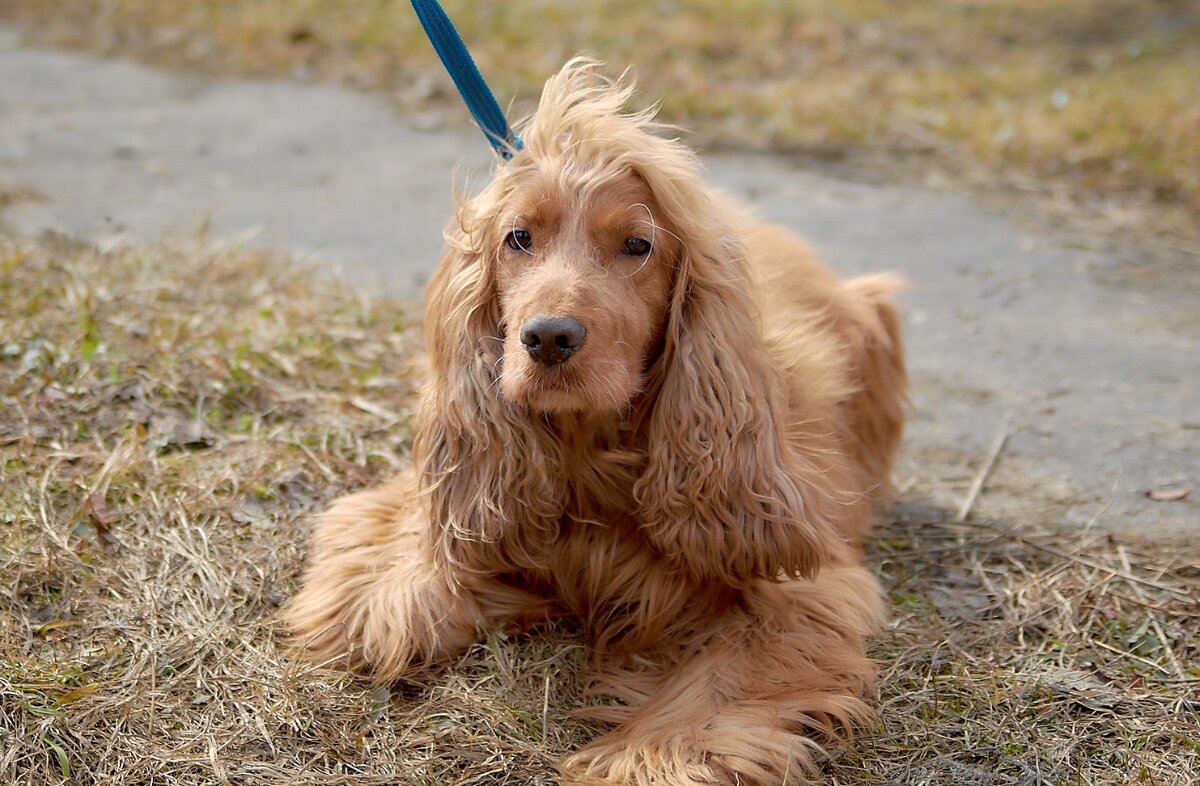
(548,388)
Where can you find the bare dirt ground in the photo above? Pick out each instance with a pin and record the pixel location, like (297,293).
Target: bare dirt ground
(1082,361)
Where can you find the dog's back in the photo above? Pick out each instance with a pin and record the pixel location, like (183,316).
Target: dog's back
(865,355)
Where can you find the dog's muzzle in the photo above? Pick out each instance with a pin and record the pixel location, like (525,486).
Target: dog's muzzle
(552,340)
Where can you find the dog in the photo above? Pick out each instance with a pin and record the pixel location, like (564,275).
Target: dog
(649,411)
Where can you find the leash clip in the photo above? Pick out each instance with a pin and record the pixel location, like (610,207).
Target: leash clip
(470,83)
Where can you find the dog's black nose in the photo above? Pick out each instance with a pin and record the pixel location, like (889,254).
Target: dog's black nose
(551,340)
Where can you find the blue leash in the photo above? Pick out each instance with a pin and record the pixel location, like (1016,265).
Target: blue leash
(466,76)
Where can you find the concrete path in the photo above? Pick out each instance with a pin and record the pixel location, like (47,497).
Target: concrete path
(1097,375)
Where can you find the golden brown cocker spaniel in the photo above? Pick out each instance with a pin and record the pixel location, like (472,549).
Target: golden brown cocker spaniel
(651,412)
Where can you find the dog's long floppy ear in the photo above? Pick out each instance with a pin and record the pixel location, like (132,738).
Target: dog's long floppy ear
(725,495)
(483,467)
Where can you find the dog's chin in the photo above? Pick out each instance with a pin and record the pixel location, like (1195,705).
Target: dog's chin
(562,390)
(553,401)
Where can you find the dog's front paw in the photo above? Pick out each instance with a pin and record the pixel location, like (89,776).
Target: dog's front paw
(390,622)
(658,761)
(373,597)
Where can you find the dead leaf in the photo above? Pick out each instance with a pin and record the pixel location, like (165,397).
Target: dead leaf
(958,595)
(97,512)
(194,433)
(1168,494)
(960,604)
(100,518)
(174,429)
(75,694)
(1081,688)
(252,511)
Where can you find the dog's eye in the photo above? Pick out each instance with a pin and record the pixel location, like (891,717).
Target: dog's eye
(520,240)
(636,247)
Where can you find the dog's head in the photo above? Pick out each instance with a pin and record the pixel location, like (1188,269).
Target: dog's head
(597,273)
(578,248)
(582,268)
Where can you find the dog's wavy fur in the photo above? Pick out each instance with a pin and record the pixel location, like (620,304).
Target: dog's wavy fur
(693,484)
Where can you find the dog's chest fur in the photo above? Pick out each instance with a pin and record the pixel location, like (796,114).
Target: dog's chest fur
(594,560)
(600,463)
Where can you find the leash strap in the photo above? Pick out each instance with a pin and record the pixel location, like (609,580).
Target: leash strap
(471,86)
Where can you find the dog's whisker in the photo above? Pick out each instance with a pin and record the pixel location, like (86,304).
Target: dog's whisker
(497,376)
(669,232)
(653,238)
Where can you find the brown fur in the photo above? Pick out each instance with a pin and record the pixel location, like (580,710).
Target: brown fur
(693,484)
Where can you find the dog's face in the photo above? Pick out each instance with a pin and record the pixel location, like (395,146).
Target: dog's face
(583,275)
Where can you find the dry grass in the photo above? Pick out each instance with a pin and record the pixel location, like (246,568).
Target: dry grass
(1093,100)
(11,193)
(168,419)
(171,416)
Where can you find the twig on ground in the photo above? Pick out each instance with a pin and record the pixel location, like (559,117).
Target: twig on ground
(977,484)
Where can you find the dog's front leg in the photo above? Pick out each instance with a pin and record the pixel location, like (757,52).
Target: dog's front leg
(373,594)
(751,696)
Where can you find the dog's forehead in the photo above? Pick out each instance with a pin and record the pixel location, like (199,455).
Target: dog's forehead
(548,195)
